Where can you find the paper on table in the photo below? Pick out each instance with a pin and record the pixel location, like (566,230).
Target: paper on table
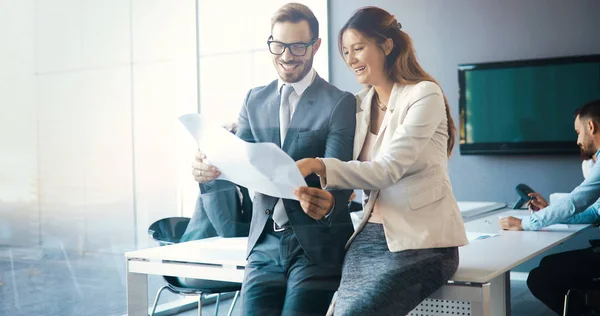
(555,227)
(261,167)
(471,236)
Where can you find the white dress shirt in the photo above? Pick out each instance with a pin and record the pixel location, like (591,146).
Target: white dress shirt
(299,88)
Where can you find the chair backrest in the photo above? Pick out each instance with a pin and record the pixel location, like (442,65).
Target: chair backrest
(168,230)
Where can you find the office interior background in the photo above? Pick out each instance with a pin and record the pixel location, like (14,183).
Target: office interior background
(91,151)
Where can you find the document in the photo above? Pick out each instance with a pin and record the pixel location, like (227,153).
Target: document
(260,167)
(555,227)
(471,236)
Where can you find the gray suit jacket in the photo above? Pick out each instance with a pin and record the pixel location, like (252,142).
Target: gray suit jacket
(323,125)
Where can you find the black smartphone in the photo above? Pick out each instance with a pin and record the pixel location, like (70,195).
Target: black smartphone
(523,191)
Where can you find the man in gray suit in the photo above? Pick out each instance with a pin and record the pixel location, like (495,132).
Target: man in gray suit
(295,252)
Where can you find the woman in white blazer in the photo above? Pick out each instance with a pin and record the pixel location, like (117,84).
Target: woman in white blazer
(406,246)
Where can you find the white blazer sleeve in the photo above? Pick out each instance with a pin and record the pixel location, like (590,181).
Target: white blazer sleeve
(426,110)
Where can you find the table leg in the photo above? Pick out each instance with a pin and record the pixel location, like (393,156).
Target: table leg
(137,293)
(500,295)
(482,306)
(495,298)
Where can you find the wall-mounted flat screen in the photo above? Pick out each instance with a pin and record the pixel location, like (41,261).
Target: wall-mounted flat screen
(526,106)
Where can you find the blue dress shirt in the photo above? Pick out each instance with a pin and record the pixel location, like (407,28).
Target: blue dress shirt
(590,216)
(570,209)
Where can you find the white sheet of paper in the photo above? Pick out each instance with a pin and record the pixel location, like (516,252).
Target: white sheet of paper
(555,227)
(260,167)
(471,236)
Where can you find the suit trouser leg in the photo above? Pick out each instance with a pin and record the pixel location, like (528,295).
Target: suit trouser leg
(281,280)
(264,287)
(560,272)
(310,287)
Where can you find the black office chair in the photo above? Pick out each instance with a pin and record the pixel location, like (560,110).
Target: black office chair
(582,303)
(168,231)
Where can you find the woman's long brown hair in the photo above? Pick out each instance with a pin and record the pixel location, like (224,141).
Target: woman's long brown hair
(401,63)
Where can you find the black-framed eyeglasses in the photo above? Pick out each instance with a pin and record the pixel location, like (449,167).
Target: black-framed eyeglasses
(297,49)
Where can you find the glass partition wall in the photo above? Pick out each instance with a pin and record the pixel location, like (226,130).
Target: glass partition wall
(91,151)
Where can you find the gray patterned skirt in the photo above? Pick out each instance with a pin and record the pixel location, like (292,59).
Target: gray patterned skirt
(376,281)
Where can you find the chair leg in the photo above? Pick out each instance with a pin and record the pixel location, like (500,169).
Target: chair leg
(575,302)
(235,297)
(217,304)
(156,299)
(566,304)
(200,304)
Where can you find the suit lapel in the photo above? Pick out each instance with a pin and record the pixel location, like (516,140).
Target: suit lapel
(272,111)
(302,112)
(362,123)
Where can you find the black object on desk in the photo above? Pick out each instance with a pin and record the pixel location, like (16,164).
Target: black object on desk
(523,191)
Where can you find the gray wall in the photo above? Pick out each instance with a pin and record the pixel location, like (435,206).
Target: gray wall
(447,33)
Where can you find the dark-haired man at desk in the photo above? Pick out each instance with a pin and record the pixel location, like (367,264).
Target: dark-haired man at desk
(579,269)
(590,216)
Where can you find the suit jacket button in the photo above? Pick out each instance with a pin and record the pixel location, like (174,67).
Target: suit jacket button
(267,212)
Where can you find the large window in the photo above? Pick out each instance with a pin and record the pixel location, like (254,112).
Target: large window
(91,149)
(233,52)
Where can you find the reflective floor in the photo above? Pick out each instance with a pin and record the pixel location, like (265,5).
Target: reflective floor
(52,281)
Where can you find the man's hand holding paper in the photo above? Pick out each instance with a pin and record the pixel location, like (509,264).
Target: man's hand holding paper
(202,171)
(261,167)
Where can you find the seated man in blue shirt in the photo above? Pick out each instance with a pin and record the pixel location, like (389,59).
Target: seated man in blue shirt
(578,269)
(587,126)
(590,216)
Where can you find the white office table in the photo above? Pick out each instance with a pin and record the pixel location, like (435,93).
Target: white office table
(221,259)
(482,278)
(483,275)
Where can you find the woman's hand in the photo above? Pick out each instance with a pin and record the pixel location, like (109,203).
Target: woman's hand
(308,166)
(315,202)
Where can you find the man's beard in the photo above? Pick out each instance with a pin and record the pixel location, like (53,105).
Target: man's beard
(587,151)
(585,154)
(292,78)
